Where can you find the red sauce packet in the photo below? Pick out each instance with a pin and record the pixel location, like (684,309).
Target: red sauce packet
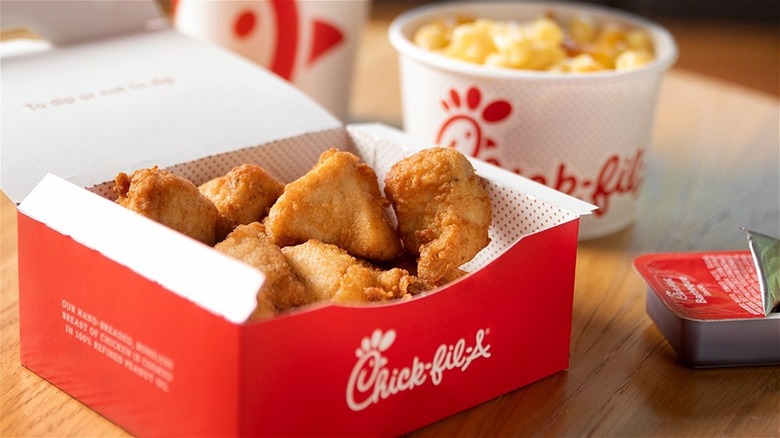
(715,308)
(717,285)
(705,285)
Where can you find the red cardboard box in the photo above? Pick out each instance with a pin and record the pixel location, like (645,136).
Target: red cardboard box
(145,325)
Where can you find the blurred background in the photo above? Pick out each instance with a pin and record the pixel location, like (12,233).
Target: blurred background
(732,40)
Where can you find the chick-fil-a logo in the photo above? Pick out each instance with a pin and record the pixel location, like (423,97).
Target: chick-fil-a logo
(618,175)
(373,380)
(468,114)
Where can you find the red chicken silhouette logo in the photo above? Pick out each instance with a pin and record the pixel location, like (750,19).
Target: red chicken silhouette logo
(464,127)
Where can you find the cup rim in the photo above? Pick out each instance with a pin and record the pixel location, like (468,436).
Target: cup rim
(402,27)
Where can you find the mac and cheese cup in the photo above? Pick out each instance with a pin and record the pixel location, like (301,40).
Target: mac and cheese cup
(583,133)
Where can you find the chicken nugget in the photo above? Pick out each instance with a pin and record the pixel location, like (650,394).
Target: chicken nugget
(282,289)
(332,274)
(442,209)
(338,202)
(168,199)
(243,195)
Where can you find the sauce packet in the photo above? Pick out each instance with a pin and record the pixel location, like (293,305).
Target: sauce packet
(716,308)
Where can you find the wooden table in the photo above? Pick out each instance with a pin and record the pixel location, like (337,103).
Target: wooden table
(713,168)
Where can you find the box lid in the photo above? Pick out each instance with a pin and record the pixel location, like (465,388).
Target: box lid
(98,103)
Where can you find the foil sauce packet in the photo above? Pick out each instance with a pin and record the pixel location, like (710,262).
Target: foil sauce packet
(766,254)
(716,308)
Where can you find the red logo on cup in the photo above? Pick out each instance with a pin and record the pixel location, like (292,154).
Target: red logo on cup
(618,175)
(267,31)
(463,129)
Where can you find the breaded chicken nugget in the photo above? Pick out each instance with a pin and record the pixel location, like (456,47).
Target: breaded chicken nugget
(243,195)
(331,274)
(282,290)
(168,199)
(339,202)
(442,209)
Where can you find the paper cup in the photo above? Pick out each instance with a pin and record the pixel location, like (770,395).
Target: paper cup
(310,43)
(583,134)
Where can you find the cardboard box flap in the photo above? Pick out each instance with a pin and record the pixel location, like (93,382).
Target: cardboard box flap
(184,266)
(88,111)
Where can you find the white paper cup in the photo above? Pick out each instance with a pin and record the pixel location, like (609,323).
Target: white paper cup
(310,43)
(583,134)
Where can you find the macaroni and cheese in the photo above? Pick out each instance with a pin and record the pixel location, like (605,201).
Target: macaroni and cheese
(542,44)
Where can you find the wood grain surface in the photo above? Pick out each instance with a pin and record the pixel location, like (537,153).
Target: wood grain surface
(714,167)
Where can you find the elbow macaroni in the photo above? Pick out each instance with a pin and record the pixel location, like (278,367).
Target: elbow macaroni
(542,44)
